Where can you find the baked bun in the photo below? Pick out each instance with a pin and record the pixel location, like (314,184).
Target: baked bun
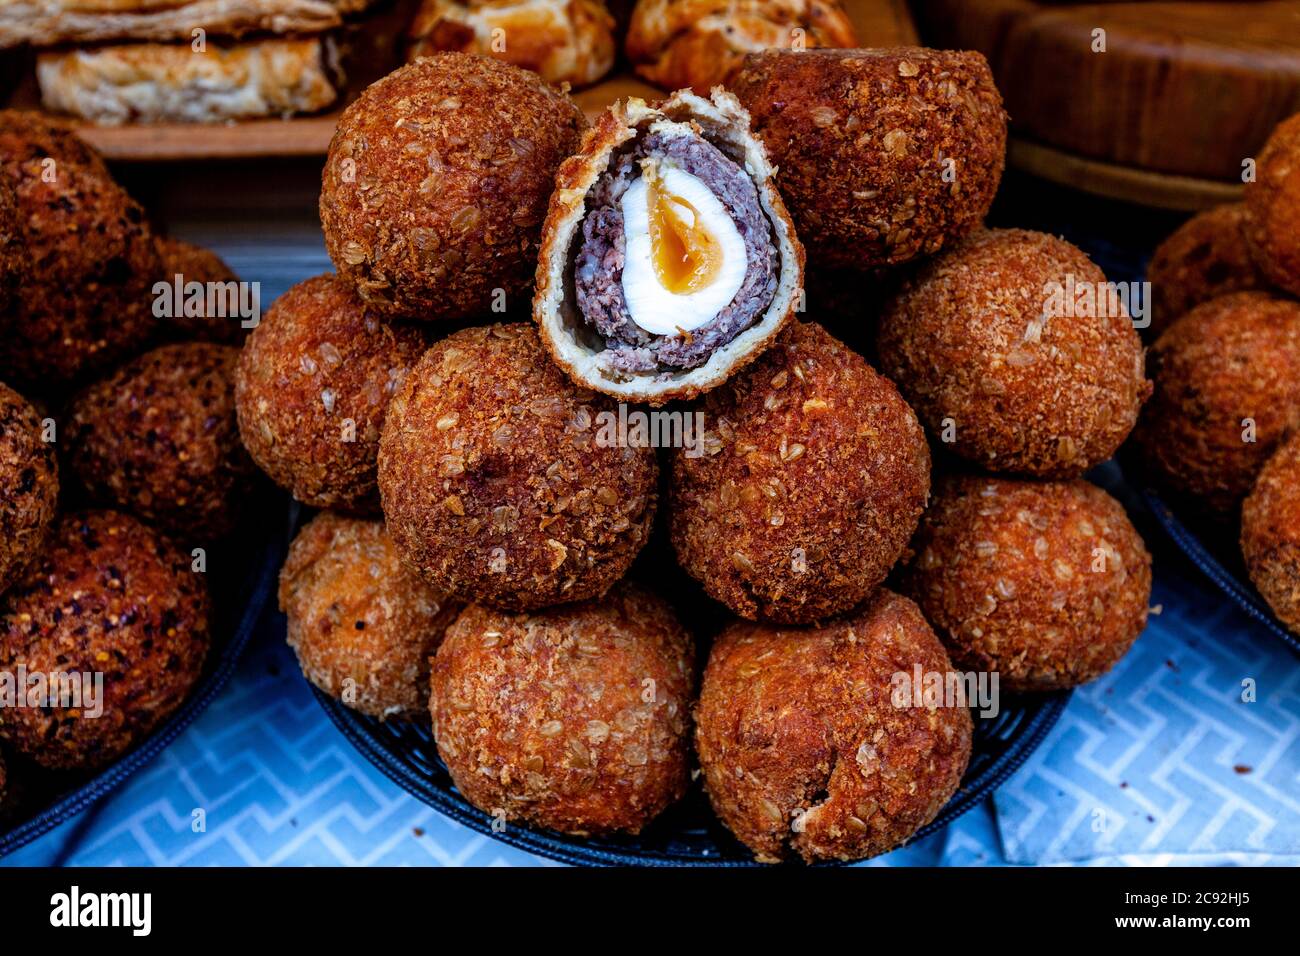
(566,41)
(700,43)
(668,258)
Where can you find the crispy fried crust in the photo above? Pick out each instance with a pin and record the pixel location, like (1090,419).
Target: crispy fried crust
(55,22)
(701,43)
(1270,533)
(195,264)
(168,83)
(15,266)
(496,484)
(1046,583)
(576,719)
(1206,257)
(884,155)
(363,625)
(814,476)
(803,747)
(968,341)
(313,386)
(724,123)
(565,41)
(1227,389)
(29,475)
(158,438)
(28,134)
(1273,207)
(93,264)
(436,184)
(108,596)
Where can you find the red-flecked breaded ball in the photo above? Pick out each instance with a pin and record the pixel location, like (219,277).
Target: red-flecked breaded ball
(363,625)
(437,181)
(1227,377)
(158,438)
(1046,583)
(813,477)
(29,485)
(1270,533)
(312,389)
(501,483)
(196,264)
(108,597)
(88,302)
(884,155)
(1273,207)
(1206,257)
(1013,354)
(576,719)
(31,134)
(809,744)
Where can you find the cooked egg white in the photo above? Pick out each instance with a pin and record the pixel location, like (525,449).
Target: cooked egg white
(678,236)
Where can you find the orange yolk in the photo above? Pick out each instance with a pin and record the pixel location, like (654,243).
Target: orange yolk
(687,257)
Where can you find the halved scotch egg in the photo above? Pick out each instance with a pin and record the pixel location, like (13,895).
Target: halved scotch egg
(668,258)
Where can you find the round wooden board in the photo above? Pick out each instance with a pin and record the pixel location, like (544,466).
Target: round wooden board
(1140,186)
(1186,89)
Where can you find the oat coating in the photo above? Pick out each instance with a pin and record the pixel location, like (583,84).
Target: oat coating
(805,746)
(93,265)
(437,182)
(884,155)
(1227,377)
(15,267)
(1007,374)
(576,719)
(196,264)
(29,485)
(1270,533)
(1206,257)
(1047,583)
(312,389)
(158,438)
(1273,207)
(363,625)
(108,596)
(814,476)
(29,134)
(500,483)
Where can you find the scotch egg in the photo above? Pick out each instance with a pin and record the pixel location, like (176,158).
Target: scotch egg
(668,258)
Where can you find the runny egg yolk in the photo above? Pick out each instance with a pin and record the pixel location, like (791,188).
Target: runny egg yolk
(687,256)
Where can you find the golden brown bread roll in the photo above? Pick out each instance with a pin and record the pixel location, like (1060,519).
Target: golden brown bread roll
(700,43)
(566,41)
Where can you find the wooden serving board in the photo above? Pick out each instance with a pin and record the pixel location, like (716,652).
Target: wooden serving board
(878,23)
(1182,95)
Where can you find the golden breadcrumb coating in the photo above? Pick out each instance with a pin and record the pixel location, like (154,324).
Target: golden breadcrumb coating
(1273,207)
(29,485)
(496,482)
(1047,583)
(437,182)
(1270,533)
(158,438)
(814,476)
(363,625)
(576,719)
(807,748)
(312,388)
(1002,374)
(196,264)
(108,596)
(1204,258)
(884,155)
(1227,389)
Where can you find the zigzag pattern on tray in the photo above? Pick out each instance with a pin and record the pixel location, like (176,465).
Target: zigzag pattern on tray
(1162,761)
